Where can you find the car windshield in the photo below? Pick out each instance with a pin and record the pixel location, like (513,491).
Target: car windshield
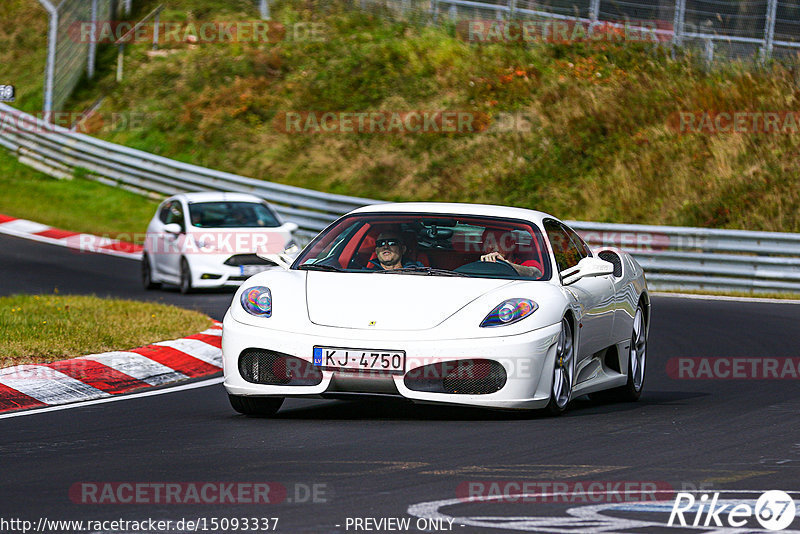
(430,244)
(232,215)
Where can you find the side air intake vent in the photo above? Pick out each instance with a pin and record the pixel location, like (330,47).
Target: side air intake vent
(463,377)
(261,366)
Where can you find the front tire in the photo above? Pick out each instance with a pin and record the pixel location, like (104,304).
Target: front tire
(263,406)
(563,371)
(186,277)
(147,274)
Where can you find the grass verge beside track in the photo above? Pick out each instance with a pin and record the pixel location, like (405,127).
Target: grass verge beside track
(44,328)
(77,205)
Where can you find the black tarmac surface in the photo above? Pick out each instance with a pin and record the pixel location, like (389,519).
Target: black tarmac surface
(340,461)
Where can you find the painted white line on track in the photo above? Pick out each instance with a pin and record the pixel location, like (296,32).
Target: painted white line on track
(137,366)
(196,348)
(586,519)
(724,297)
(48,385)
(116,398)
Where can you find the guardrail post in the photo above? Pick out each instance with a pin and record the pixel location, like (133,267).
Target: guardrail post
(120,61)
(709,51)
(769,29)
(435,10)
(264,8)
(512,8)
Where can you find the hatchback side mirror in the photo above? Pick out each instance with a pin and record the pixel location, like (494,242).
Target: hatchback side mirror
(173,228)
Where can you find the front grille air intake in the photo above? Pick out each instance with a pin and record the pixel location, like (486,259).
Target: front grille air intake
(261,366)
(462,377)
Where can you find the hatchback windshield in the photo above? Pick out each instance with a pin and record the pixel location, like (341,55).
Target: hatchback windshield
(425,244)
(232,215)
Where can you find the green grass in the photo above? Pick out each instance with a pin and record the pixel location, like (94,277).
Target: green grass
(600,146)
(78,205)
(42,328)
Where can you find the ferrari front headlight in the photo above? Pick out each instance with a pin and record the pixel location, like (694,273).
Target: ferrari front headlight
(257,301)
(509,311)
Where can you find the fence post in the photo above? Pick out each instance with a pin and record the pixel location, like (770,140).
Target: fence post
(264,9)
(512,9)
(677,25)
(769,28)
(594,10)
(90,61)
(155,30)
(50,69)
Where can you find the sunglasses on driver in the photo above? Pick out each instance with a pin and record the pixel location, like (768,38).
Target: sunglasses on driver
(387,243)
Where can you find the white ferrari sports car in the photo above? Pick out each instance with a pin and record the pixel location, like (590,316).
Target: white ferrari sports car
(457,304)
(210,239)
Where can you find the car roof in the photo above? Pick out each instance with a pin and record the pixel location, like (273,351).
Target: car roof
(217,196)
(457,209)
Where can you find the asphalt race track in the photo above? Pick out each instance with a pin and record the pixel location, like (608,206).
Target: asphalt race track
(341,460)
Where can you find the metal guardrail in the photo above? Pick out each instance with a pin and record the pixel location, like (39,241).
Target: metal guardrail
(673,257)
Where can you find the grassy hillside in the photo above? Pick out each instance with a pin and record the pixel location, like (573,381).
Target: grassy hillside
(598,145)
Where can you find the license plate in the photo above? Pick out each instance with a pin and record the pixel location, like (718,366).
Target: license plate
(386,361)
(250,270)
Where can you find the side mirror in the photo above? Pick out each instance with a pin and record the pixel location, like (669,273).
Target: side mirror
(586,267)
(292,227)
(173,228)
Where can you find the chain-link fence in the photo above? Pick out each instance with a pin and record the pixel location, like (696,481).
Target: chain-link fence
(71,50)
(718,28)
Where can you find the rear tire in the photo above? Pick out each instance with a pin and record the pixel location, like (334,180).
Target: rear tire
(147,274)
(263,406)
(637,358)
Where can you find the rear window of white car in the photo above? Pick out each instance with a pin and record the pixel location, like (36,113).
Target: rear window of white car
(232,215)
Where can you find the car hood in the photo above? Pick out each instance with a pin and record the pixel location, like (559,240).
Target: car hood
(390,301)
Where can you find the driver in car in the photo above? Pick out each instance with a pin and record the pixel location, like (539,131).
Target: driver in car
(499,247)
(389,251)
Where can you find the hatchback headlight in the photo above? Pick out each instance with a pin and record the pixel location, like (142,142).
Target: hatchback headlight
(509,311)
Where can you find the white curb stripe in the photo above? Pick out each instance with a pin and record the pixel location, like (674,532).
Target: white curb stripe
(25,227)
(138,367)
(197,349)
(48,385)
(212,332)
(82,242)
(115,398)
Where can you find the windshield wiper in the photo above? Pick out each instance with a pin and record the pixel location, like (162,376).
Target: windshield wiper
(315,267)
(430,271)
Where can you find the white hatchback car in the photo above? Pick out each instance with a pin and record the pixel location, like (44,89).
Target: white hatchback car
(204,240)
